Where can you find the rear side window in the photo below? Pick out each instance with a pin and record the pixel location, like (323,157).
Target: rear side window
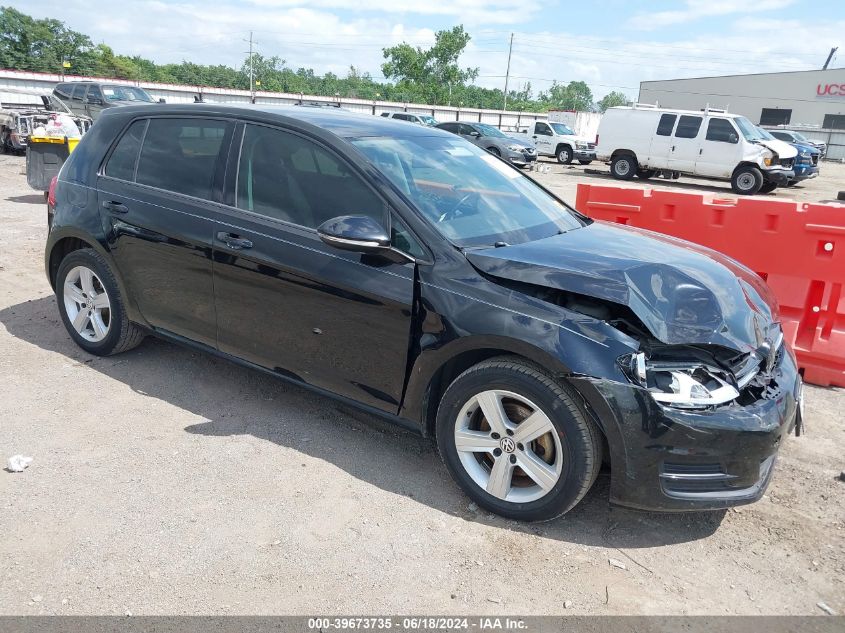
(449,127)
(667,122)
(721,130)
(125,155)
(688,127)
(286,177)
(180,155)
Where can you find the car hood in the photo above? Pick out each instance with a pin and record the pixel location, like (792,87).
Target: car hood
(683,293)
(805,147)
(781,148)
(519,141)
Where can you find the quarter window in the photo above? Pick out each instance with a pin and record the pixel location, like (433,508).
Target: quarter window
(667,123)
(688,127)
(125,155)
(403,240)
(180,155)
(721,130)
(286,177)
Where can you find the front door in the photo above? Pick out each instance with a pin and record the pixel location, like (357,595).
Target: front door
(720,150)
(159,207)
(544,139)
(289,302)
(685,144)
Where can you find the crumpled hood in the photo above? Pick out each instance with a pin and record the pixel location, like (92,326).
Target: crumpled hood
(781,148)
(683,293)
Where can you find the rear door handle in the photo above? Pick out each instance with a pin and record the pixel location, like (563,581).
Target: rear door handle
(233,241)
(115,207)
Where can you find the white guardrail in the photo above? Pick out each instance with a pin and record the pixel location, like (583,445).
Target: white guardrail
(13,85)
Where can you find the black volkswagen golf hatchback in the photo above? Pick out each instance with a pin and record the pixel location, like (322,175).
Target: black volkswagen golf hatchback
(409,272)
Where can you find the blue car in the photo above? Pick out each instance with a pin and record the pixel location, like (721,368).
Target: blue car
(806,164)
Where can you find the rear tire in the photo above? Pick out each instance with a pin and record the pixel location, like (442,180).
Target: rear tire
(92,307)
(623,166)
(645,174)
(747,180)
(535,458)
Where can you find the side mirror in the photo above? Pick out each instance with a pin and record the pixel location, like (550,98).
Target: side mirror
(358,233)
(733,138)
(475,134)
(162,101)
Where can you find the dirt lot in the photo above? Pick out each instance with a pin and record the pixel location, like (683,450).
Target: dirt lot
(169,482)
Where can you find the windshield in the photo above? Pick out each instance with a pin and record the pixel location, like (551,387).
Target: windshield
(799,136)
(750,131)
(489,130)
(428,120)
(470,196)
(765,134)
(562,129)
(126,93)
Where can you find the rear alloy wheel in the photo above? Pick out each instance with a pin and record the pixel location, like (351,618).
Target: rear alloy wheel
(623,167)
(564,155)
(91,306)
(747,180)
(516,441)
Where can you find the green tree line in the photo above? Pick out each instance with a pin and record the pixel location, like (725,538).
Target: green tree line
(414,74)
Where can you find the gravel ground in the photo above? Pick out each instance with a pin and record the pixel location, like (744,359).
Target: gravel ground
(165,481)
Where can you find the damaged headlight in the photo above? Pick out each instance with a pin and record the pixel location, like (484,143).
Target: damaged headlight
(684,385)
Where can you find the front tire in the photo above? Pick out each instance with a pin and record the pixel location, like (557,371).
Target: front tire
(747,180)
(564,155)
(516,441)
(585,162)
(623,166)
(92,307)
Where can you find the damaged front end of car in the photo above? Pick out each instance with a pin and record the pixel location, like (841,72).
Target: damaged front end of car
(706,388)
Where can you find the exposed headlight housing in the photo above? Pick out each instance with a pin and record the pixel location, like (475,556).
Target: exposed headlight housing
(692,385)
(768,157)
(580,145)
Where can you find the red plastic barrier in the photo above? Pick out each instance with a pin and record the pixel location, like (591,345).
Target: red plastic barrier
(799,249)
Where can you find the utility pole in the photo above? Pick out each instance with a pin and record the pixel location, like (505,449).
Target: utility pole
(508,74)
(830,56)
(251,78)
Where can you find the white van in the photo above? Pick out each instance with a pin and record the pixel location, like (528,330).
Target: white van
(558,140)
(419,119)
(643,140)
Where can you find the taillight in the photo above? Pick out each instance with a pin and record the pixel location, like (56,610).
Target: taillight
(51,192)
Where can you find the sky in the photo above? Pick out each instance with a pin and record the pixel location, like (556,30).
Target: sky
(610,44)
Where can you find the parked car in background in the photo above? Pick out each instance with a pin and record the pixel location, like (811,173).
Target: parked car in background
(558,140)
(491,138)
(643,140)
(420,119)
(789,136)
(90,98)
(806,163)
(408,272)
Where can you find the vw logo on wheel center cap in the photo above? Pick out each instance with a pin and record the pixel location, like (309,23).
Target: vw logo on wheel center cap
(507,445)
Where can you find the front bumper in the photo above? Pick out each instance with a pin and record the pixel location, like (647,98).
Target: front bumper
(668,459)
(584,154)
(778,176)
(521,158)
(805,172)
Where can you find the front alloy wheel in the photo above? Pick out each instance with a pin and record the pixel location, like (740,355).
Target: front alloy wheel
(516,440)
(508,446)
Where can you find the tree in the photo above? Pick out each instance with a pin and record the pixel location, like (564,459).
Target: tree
(576,95)
(429,74)
(39,45)
(612,99)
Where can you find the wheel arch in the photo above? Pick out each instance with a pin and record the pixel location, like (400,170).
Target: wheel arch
(620,152)
(562,144)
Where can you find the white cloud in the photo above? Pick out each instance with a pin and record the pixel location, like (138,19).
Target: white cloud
(698,9)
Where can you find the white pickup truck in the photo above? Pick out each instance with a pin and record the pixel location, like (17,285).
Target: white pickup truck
(558,140)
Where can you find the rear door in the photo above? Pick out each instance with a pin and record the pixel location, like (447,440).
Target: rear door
(685,143)
(720,151)
(159,204)
(289,302)
(661,141)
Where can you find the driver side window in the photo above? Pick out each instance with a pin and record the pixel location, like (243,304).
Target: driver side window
(542,128)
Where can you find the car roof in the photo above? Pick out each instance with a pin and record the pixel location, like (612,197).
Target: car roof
(719,113)
(341,123)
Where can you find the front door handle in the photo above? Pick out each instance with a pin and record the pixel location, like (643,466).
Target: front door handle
(115,207)
(233,241)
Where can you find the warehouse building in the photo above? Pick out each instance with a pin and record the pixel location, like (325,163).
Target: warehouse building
(803,99)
